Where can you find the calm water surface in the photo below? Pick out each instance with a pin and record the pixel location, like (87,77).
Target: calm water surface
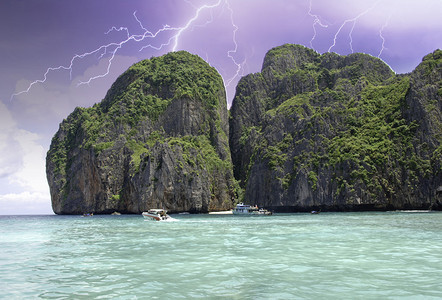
(386,255)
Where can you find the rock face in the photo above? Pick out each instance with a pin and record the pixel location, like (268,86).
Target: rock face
(337,132)
(157,140)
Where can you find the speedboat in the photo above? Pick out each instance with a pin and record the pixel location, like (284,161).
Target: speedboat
(156,214)
(244,209)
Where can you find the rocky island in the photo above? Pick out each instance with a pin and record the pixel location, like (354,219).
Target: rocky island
(310,131)
(338,132)
(158,139)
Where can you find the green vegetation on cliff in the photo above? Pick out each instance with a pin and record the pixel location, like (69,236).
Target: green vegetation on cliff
(149,86)
(337,131)
(144,91)
(309,131)
(165,111)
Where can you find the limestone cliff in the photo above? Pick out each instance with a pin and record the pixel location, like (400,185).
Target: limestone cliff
(308,132)
(157,140)
(338,132)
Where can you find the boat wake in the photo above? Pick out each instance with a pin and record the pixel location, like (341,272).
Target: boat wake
(170,219)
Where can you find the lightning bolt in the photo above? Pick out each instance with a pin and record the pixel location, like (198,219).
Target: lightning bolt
(103,48)
(230,53)
(182,29)
(317,21)
(111,49)
(354,20)
(382,36)
(350,35)
(234,50)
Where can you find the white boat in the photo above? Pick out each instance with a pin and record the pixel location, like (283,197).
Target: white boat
(156,214)
(244,209)
(263,211)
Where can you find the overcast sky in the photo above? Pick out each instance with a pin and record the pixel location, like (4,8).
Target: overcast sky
(56,55)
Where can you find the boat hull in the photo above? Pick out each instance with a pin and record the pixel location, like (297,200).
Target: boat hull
(245,209)
(154,216)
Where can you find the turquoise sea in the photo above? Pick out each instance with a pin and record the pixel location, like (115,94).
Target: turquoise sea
(377,255)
